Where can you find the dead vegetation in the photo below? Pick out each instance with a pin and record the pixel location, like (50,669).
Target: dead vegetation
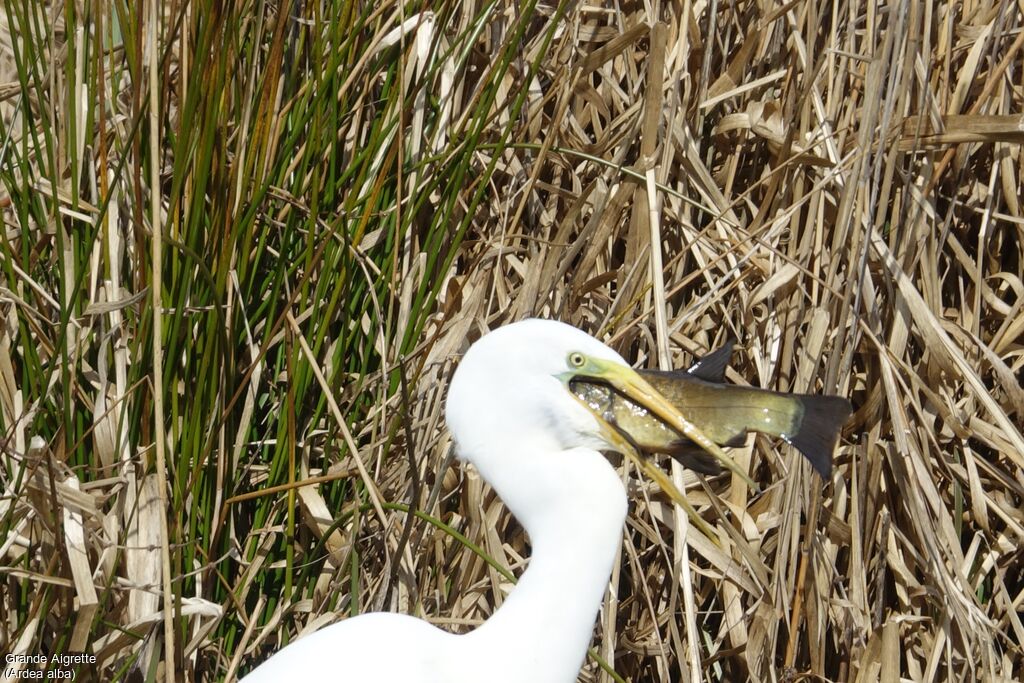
(350,197)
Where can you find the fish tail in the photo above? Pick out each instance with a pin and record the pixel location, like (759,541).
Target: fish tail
(823,418)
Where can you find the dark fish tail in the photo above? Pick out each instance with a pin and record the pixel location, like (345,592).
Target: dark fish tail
(819,430)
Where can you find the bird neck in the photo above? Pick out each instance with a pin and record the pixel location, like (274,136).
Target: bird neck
(572,504)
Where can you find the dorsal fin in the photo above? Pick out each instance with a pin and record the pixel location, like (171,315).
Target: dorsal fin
(711,368)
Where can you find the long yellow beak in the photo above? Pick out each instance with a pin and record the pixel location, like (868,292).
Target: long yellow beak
(634,387)
(624,446)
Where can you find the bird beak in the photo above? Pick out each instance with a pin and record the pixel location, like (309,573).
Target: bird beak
(631,385)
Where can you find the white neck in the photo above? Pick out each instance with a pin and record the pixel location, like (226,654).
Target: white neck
(572,504)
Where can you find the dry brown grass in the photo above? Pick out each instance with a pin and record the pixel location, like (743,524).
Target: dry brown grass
(834,184)
(811,203)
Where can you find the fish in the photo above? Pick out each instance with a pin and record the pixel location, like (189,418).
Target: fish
(724,412)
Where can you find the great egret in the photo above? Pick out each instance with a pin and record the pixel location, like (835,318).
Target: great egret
(513,416)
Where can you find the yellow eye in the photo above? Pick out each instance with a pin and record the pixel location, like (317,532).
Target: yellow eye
(577,359)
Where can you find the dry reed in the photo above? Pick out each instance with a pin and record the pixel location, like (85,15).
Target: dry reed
(834,184)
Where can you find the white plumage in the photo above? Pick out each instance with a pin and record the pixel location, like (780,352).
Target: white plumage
(513,418)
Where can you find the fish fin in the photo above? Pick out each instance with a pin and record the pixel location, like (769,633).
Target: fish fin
(823,418)
(693,457)
(736,440)
(711,368)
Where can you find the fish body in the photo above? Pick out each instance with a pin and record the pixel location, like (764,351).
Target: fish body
(723,412)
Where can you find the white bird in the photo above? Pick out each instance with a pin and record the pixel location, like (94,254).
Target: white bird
(513,417)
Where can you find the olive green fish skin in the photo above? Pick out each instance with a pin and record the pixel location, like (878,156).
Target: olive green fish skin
(725,413)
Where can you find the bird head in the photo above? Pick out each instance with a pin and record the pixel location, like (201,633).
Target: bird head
(512,386)
(511,391)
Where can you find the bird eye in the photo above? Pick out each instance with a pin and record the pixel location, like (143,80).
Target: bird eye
(577,360)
